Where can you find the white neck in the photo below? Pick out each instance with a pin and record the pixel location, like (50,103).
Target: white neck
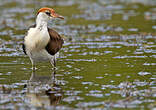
(38,37)
(41,20)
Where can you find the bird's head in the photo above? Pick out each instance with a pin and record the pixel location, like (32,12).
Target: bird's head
(48,13)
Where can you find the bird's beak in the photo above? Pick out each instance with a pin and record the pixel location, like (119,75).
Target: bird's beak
(55,15)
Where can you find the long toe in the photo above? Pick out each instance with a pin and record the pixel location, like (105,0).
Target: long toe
(34,68)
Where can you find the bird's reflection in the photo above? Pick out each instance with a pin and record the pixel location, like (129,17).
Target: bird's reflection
(43,90)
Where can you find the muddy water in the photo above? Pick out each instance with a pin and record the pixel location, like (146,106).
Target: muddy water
(108,60)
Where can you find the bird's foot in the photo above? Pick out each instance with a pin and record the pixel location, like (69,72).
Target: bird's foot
(34,68)
(55,68)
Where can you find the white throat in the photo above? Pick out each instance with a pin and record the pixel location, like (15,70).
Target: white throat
(41,20)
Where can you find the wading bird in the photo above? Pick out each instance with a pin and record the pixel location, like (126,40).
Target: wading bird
(42,43)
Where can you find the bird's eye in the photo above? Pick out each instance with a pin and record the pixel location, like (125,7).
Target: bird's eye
(48,13)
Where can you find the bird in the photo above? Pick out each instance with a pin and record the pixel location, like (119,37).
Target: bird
(42,44)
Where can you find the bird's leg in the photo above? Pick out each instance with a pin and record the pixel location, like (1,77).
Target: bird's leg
(33,65)
(32,76)
(53,75)
(53,62)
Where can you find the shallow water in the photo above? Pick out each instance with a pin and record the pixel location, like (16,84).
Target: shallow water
(108,59)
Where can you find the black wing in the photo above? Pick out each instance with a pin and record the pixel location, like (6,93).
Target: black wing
(24,50)
(55,42)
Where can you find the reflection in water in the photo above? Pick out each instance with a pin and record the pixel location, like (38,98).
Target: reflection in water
(109,65)
(43,91)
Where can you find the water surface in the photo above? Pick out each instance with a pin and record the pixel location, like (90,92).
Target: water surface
(107,61)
